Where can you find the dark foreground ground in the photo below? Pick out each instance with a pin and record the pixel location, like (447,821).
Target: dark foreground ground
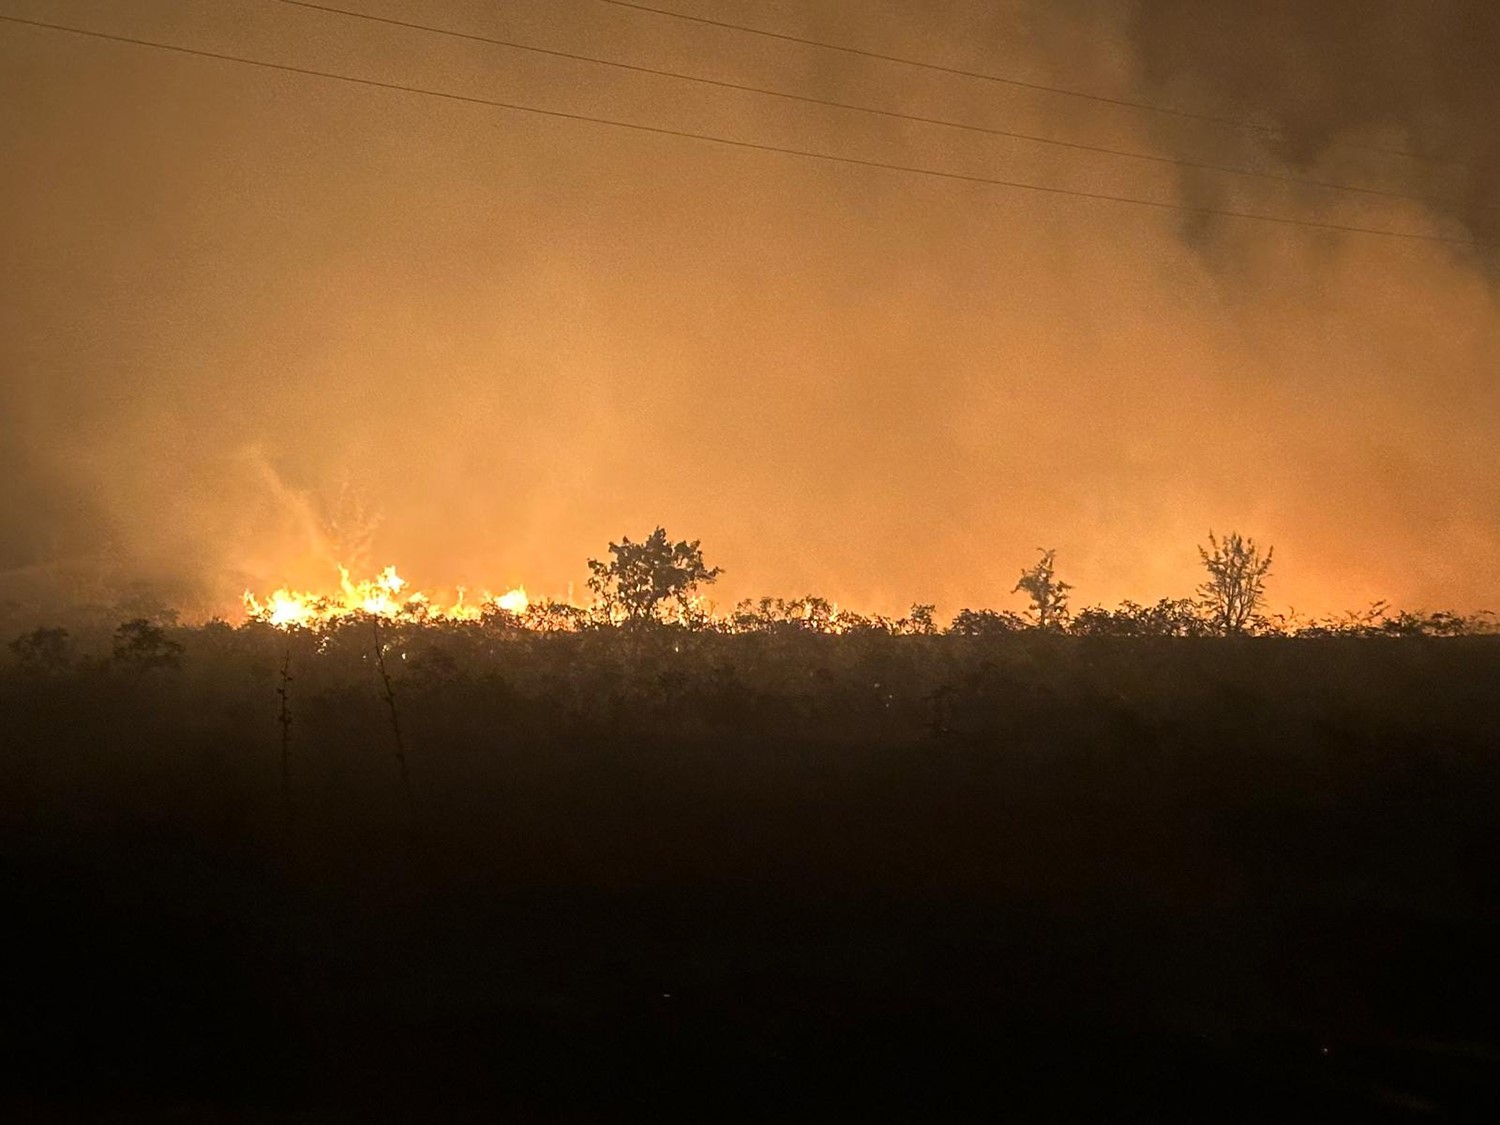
(746,879)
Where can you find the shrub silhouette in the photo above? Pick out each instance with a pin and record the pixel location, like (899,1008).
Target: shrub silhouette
(985,623)
(143,646)
(43,651)
(1170,617)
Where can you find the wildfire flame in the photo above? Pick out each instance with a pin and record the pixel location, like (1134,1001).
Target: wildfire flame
(386,595)
(389,596)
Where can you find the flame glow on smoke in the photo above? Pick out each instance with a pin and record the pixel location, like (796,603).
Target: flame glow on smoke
(386,595)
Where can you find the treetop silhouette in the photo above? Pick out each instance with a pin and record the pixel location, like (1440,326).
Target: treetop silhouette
(1236,585)
(642,580)
(1048,594)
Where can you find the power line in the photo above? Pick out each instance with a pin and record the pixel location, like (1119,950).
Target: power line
(828,102)
(1149,107)
(756,146)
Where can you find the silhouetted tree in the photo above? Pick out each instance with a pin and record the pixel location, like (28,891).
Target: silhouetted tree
(920,621)
(984,623)
(641,579)
(42,652)
(141,645)
(1236,581)
(1049,595)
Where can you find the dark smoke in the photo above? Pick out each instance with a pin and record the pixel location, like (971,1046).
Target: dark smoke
(1344,85)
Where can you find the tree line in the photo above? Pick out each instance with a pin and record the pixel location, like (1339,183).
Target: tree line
(658,583)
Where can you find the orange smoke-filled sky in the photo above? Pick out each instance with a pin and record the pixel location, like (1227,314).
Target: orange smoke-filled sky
(241,305)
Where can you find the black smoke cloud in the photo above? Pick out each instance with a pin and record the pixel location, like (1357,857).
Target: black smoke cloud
(1343,86)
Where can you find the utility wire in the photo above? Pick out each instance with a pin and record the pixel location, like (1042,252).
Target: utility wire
(889,113)
(1149,107)
(756,146)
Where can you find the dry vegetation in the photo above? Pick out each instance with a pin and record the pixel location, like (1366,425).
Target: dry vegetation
(658,871)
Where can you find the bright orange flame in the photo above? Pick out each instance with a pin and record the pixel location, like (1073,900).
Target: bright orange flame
(514,601)
(390,596)
(385,595)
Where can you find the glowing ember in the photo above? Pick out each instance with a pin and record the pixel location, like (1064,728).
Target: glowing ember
(386,595)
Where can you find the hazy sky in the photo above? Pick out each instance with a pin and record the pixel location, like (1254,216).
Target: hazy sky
(240,304)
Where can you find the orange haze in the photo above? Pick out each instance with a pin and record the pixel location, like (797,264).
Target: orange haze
(255,324)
